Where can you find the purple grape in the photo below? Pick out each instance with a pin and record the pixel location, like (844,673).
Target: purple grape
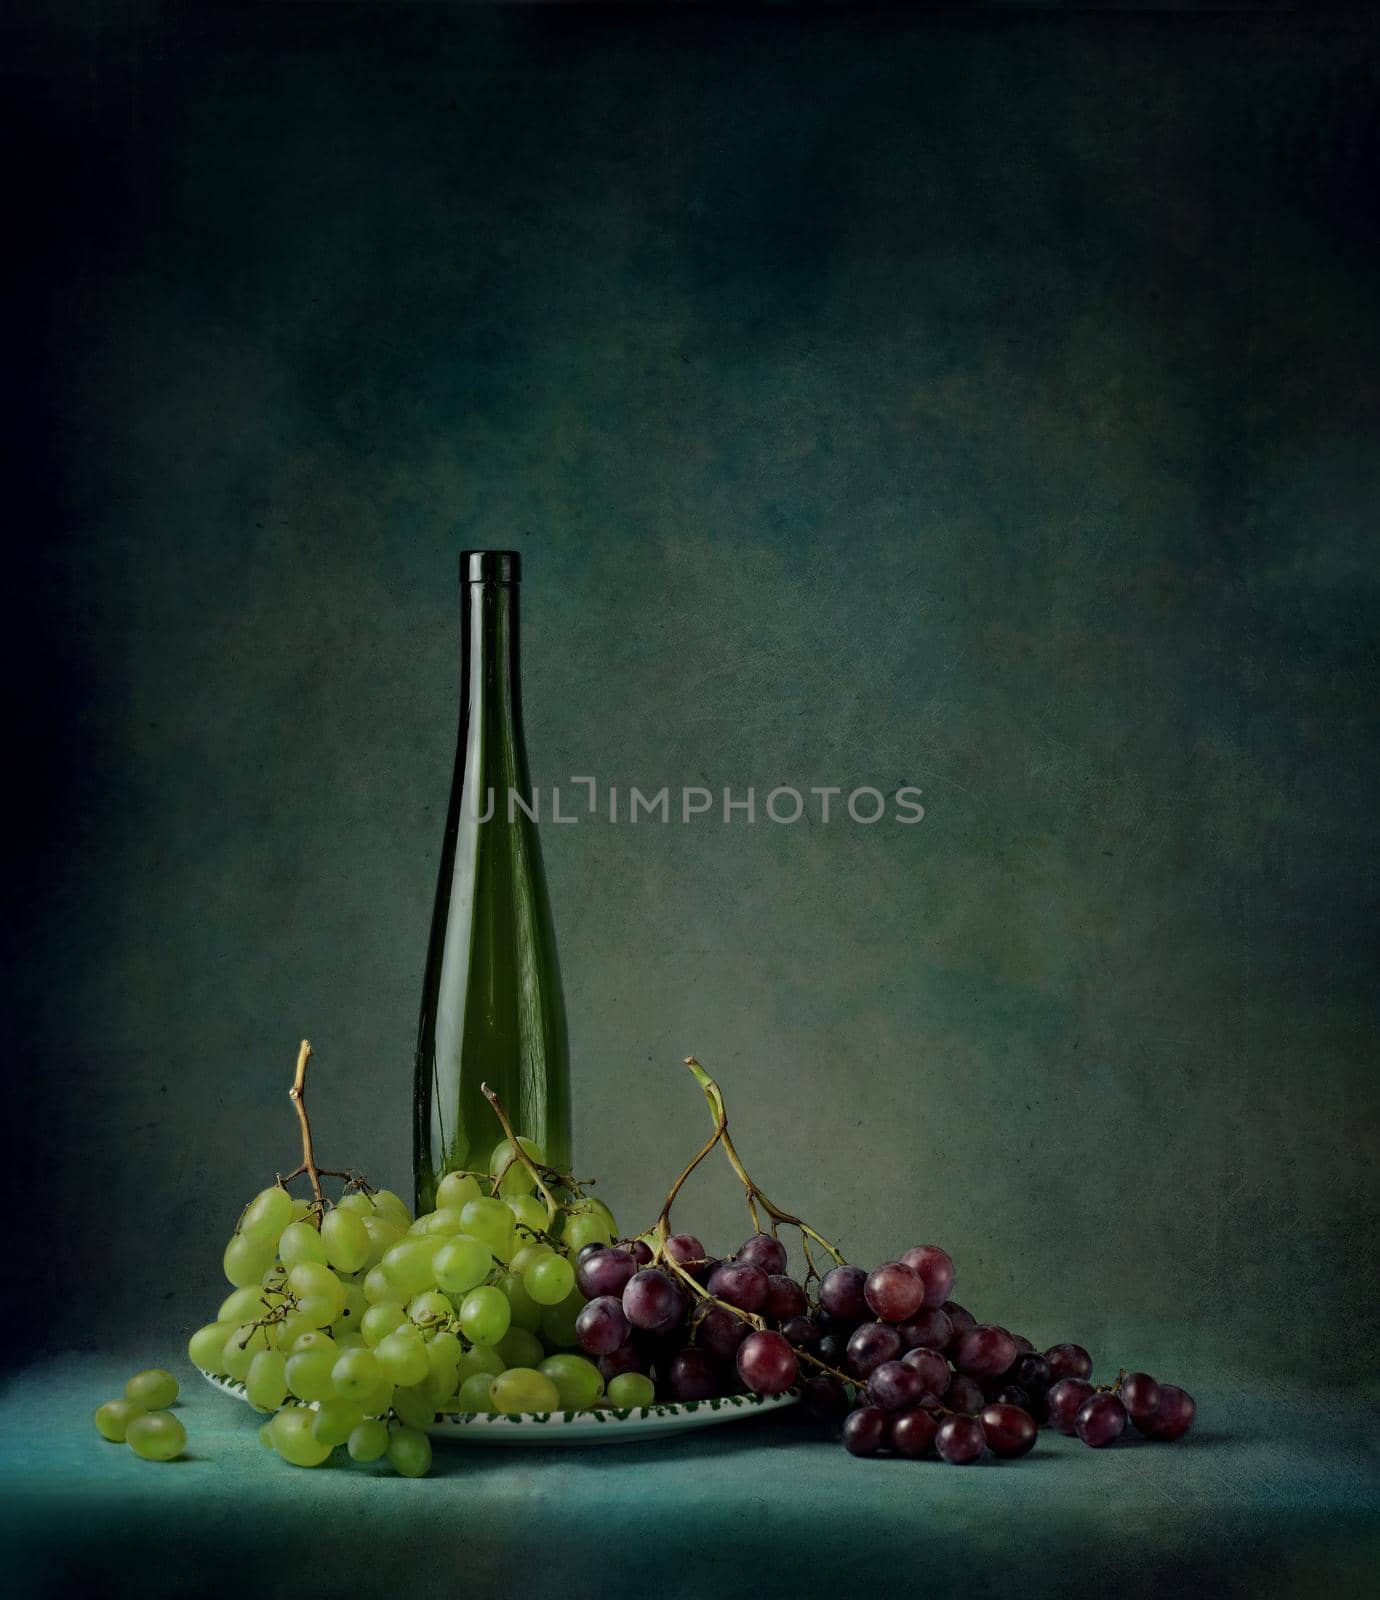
(764,1252)
(964,1395)
(894,1386)
(785,1298)
(626,1358)
(959,1318)
(590,1249)
(1140,1394)
(960,1440)
(602,1326)
(865,1431)
(1101,1420)
(1009,1430)
(738,1284)
(841,1294)
(984,1351)
(766,1363)
(825,1397)
(801,1332)
(1023,1344)
(1032,1373)
(832,1349)
(894,1292)
(1064,1401)
(931,1368)
(604,1271)
(1069,1361)
(720,1332)
(872,1344)
(1174,1417)
(640,1251)
(684,1248)
(652,1302)
(936,1269)
(691,1375)
(929,1328)
(912,1433)
(1008,1394)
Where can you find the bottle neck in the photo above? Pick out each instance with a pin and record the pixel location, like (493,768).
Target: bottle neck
(490,689)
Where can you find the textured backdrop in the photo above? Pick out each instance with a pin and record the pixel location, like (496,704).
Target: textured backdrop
(987,404)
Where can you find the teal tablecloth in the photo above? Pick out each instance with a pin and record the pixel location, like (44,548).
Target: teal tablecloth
(1275,1495)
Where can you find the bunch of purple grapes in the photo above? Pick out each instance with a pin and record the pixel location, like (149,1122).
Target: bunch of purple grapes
(906,1368)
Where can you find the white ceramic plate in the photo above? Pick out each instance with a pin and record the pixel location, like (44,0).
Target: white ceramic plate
(582,1427)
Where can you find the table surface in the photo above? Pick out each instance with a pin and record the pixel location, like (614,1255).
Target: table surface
(1277,1493)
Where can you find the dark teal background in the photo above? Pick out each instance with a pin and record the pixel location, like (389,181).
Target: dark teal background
(986,403)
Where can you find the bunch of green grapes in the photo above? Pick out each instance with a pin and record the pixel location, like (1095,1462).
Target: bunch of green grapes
(355,1325)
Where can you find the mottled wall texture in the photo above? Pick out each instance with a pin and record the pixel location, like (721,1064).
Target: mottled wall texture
(981,402)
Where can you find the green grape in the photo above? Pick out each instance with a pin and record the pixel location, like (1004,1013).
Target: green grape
(350,1339)
(523,1309)
(578,1381)
(352,1312)
(300,1208)
(294,1438)
(300,1242)
(429,1308)
(292,1328)
(415,1404)
(479,1358)
(309,1374)
(154,1389)
(266,1434)
(312,1339)
(380,1402)
(402,1355)
(266,1381)
(346,1240)
(528,1255)
(444,1346)
(549,1280)
(631,1389)
(267,1214)
(384,1233)
(378,1287)
(357,1203)
(558,1321)
(500,1159)
(156,1436)
(446,1221)
(408,1266)
(456,1190)
(485,1314)
(206,1345)
(380,1320)
(600,1209)
(476,1393)
(335,1421)
(519,1348)
(524,1389)
(246,1260)
(491,1222)
(315,1311)
(309,1280)
(390,1205)
(461,1264)
(356,1374)
(442,1379)
(585,1227)
(243,1305)
(409,1452)
(529,1211)
(240,1349)
(368,1441)
(114,1417)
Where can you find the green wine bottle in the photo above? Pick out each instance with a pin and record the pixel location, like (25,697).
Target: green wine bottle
(492,1010)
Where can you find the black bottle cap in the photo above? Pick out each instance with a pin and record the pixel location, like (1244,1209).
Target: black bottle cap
(490,566)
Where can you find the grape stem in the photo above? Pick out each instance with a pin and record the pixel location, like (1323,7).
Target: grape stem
(755,1197)
(519,1155)
(297,1094)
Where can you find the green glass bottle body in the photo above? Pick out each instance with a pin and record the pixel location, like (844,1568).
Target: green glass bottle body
(492,1008)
